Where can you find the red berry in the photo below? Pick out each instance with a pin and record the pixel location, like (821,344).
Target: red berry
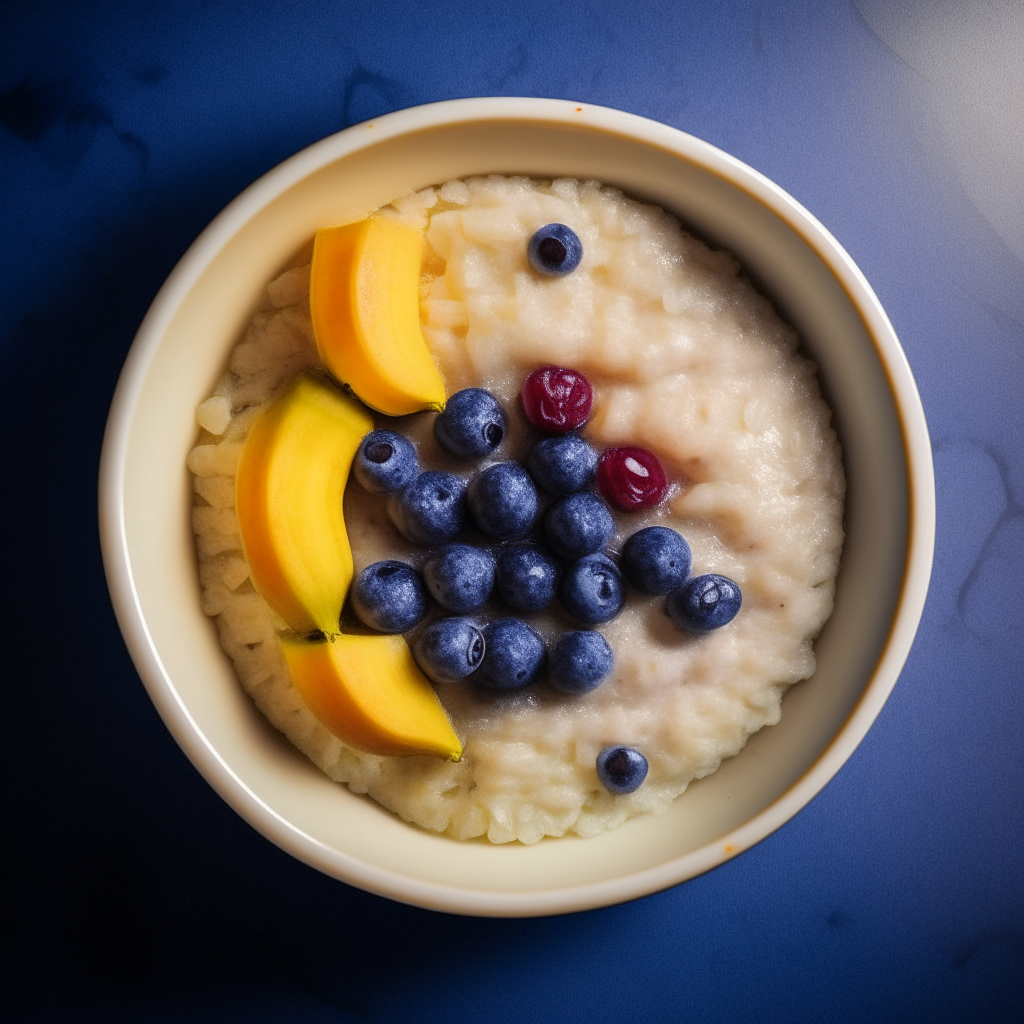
(556,399)
(631,478)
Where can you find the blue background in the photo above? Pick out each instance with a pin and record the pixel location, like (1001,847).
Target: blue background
(131,891)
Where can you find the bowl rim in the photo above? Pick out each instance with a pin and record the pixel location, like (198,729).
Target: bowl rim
(390,883)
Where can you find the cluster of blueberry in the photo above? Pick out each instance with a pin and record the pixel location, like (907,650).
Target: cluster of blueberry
(431,508)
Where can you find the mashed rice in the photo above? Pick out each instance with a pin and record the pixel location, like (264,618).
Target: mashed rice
(686,359)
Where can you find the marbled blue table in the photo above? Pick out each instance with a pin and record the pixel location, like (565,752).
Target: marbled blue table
(132,892)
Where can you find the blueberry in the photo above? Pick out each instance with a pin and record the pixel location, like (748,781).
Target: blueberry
(579,525)
(621,769)
(580,661)
(459,577)
(526,578)
(450,649)
(503,501)
(554,250)
(385,462)
(513,655)
(431,510)
(656,560)
(389,596)
(562,465)
(704,603)
(592,590)
(473,423)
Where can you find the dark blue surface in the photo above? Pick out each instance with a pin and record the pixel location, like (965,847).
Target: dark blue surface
(132,892)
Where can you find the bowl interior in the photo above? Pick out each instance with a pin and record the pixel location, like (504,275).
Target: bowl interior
(180,353)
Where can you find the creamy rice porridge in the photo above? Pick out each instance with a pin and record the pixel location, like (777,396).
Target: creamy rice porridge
(685,359)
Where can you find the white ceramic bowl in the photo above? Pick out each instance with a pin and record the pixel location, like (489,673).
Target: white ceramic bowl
(181,347)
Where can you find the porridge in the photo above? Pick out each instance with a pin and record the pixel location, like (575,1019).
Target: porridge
(686,361)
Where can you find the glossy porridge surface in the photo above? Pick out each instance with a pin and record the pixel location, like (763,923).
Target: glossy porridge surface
(686,359)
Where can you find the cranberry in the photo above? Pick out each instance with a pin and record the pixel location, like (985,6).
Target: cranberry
(556,399)
(631,478)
